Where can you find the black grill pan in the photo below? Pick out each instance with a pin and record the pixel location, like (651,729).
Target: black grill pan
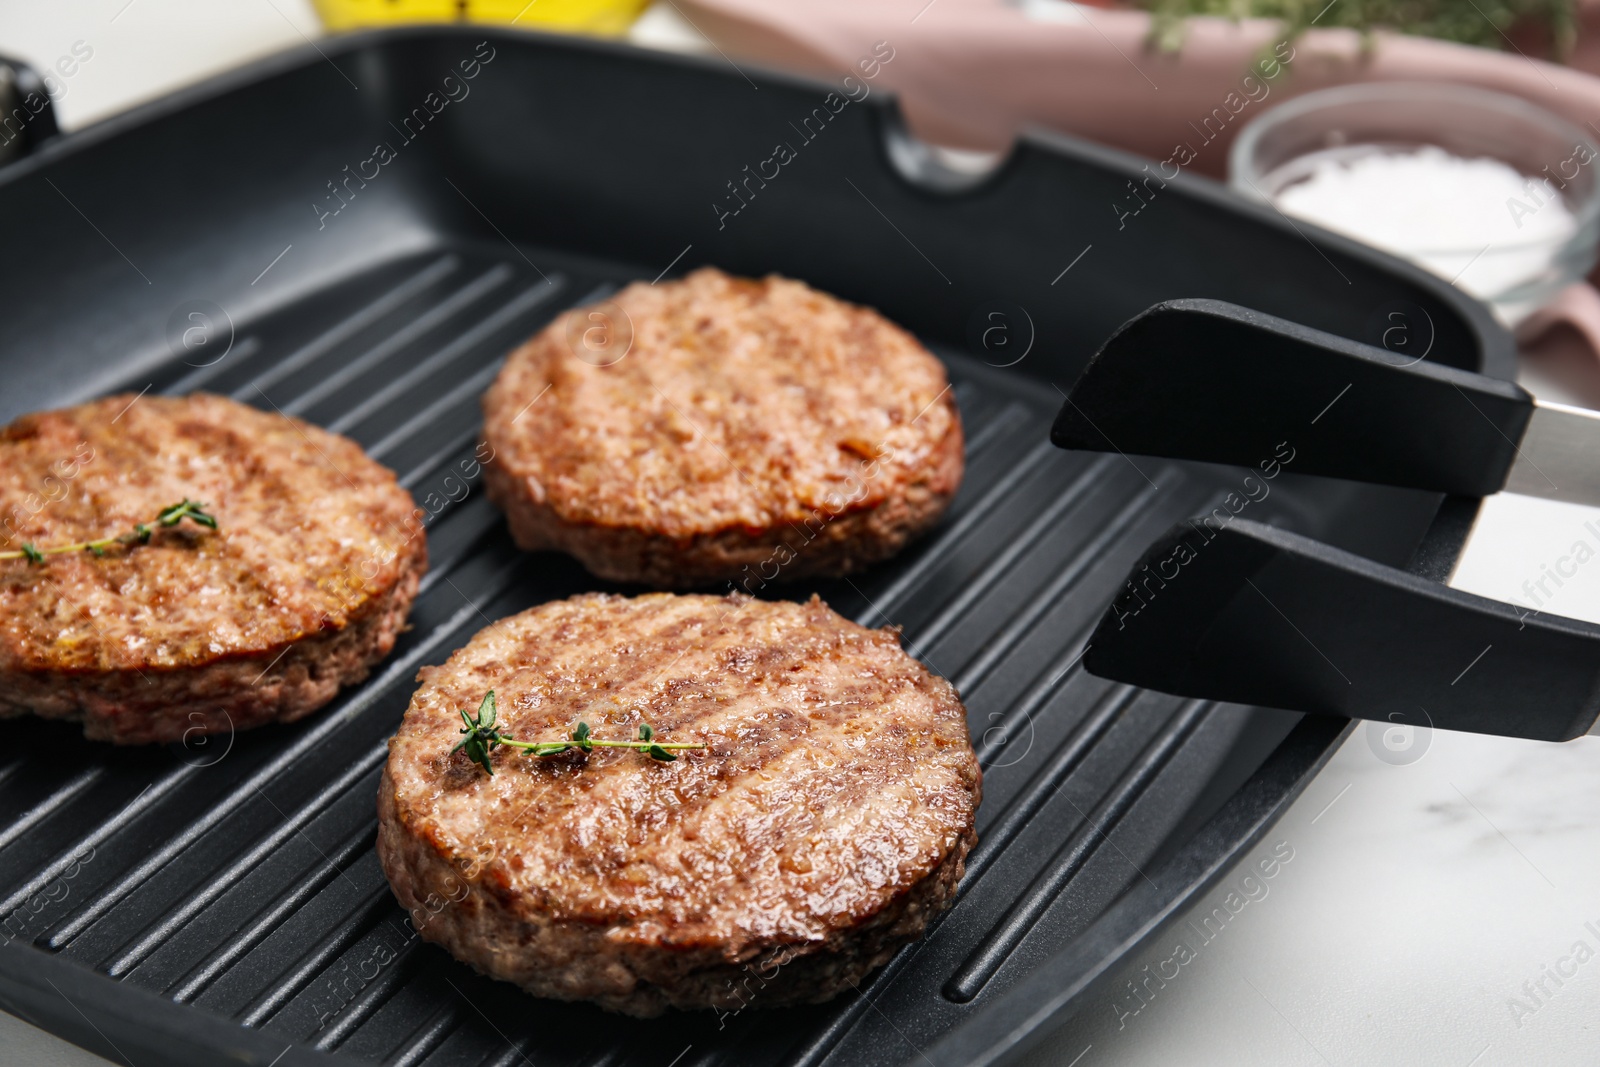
(221,902)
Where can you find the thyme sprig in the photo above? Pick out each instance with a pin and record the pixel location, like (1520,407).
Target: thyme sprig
(483,736)
(170,515)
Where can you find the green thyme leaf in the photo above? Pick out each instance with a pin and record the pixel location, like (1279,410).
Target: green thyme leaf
(478,752)
(204,519)
(482,736)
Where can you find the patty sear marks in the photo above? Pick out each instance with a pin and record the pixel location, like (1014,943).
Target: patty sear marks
(755,430)
(826,822)
(302,586)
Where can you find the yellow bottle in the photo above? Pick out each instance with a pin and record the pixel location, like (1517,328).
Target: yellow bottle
(604,18)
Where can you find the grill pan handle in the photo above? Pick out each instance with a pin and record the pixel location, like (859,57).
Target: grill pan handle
(1208,380)
(1256,615)
(1242,612)
(27,114)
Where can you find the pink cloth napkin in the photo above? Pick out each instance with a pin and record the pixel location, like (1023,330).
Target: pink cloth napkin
(1576,307)
(971,73)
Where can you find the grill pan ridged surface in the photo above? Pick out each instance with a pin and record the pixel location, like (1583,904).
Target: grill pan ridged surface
(244,882)
(221,901)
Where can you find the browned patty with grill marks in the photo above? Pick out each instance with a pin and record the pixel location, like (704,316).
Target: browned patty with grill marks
(300,589)
(826,822)
(754,430)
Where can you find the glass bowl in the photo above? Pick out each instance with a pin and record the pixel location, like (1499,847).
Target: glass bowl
(1285,145)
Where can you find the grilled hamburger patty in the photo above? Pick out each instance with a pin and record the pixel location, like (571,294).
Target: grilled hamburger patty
(753,430)
(827,821)
(300,589)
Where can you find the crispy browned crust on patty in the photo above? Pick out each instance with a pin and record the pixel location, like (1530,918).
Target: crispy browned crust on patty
(754,430)
(828,820)
(301,588)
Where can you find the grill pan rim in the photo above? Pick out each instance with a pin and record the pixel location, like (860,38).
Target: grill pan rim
(1496,347)
(32,980)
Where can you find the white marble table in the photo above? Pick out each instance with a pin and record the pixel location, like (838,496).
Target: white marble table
(1431,911)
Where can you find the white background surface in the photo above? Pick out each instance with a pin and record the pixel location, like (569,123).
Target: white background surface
(1420,898)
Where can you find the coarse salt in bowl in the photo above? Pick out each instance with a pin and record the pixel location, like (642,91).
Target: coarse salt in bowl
(1491,193)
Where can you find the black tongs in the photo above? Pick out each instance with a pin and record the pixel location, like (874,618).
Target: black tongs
(1226,608)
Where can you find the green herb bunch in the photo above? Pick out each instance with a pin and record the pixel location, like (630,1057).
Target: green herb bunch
(1476,22)
(170,515)
(483,736)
